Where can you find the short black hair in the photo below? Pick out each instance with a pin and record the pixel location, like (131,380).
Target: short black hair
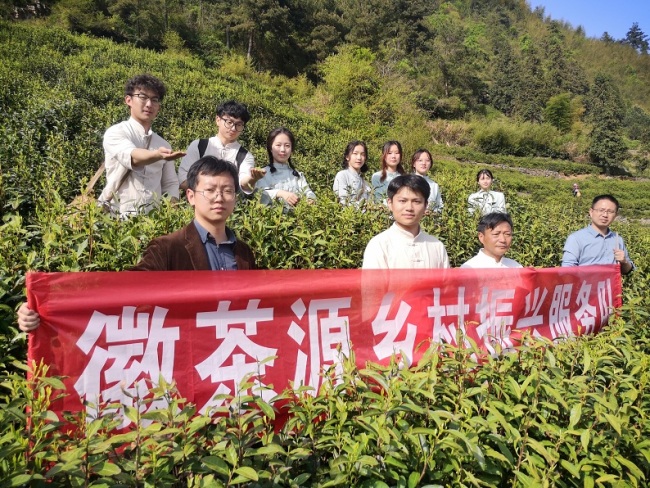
(415,183)
(147,82)
(234,109)
(605,197)
(492,220)
(348,150)
(211,166)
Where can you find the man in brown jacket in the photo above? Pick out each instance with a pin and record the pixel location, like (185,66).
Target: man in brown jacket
(204,244)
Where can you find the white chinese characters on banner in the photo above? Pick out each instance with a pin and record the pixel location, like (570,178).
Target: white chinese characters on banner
(129,352)
(139,350)
(328,336)
(227,324)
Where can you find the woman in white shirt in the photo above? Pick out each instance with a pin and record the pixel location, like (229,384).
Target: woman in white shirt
(485,200)
(349,185)
(391,166)
(282,181)
(421,163)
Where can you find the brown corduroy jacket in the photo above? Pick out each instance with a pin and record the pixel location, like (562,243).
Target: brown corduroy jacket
(183,251)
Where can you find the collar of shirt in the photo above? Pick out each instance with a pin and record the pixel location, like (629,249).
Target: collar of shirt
(405,234)
(354,173)
(220,145)
(138,128)
(490,259)
(205,235)
(596,233)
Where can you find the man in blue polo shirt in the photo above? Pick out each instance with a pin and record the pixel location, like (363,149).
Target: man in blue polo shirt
(596,243)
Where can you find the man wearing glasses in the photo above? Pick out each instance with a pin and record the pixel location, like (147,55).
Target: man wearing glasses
(139,163)
(596,243)
(231,121)
(205,244)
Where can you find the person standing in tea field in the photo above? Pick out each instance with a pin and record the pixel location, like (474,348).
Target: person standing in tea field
(495,233)
(206,243)
(405,245)
(576,190)
(349,185)
(281,180)
(421,163)
(486,200)
(597,243)
(139,163)
(391,166)
(231,121)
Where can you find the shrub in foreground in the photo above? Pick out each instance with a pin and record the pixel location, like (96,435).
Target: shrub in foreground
(567,414)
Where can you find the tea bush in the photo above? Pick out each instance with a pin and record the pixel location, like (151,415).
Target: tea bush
(567,414)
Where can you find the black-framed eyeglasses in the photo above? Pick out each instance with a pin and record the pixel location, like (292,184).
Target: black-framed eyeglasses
(211,195)
(144,98)
(229,123)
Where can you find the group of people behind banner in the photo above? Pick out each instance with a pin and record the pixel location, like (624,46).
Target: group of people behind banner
(140,168)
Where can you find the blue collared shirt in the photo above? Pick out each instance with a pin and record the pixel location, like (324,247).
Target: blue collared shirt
(222,255)
(588,246)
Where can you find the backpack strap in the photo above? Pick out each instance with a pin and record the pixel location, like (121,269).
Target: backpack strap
(241,155)
(203,145)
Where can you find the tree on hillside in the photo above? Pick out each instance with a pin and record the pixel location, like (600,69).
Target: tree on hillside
(505,84)
(605,111)
(532,92)
(607,39)
(559,113)
(636,38)
(457,57)
(563,73)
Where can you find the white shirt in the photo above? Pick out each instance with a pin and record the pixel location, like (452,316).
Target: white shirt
(396,248)
(283,179)
(486,202)
(350,187)
(435,197)
(141,186)
(482,260)
(218,150)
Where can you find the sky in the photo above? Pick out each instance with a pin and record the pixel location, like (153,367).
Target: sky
(597,16)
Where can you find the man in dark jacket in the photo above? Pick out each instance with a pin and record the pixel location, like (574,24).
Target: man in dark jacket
(204,244)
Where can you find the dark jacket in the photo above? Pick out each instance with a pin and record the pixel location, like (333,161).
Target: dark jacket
(183,251)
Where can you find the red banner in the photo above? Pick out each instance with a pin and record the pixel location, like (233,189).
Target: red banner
(112,335)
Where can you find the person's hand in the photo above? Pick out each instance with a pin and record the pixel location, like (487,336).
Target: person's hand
(289,197)
(28,319)
(619,256)
(169,155)
(256,174)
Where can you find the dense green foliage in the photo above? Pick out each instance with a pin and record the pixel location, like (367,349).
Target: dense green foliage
(575,414)
(568,414)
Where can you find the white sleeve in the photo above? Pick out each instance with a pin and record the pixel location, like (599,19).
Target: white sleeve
(340,187)
(305,188)
(373,256)
(245,169)
(501,203)
(117,147)
(472,203)
(191,157)
(169,180)
(247,165)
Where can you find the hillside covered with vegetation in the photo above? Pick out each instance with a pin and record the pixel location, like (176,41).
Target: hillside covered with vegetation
(570,414)
(502,77)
